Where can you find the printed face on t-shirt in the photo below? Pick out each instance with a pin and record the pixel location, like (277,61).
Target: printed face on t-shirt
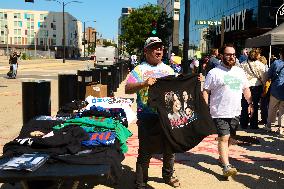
(180,114)
(185,96)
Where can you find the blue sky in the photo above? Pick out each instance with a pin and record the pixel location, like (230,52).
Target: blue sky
(105,12)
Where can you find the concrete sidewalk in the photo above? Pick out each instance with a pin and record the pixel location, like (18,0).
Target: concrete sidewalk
(260,165)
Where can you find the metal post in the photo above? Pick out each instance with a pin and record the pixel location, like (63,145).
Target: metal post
(7,48)
(95,39)
(63,5)
(48,47)
(89,38)
(185,66)
(35,41)
(84,39)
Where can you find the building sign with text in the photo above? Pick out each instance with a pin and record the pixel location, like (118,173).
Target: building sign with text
(233,22)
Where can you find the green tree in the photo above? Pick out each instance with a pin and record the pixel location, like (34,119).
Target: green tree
(138,26)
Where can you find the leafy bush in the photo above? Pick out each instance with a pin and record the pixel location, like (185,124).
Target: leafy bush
(25,56)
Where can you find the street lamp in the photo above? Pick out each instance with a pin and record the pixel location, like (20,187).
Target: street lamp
(63,7)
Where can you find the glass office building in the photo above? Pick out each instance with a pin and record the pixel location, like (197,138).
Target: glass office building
(242,19)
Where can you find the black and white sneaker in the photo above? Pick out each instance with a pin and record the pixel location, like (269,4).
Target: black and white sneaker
(229,170)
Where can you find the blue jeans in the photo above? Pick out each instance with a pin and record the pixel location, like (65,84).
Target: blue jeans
(14,72)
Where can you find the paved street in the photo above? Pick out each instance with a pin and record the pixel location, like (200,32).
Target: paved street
(260,165)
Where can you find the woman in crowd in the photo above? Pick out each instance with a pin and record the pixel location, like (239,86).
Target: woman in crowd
(264,100)
(256,75)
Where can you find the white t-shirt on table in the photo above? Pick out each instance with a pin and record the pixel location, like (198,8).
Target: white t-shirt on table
(226,86)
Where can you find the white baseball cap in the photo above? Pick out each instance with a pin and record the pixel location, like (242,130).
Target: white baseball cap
(152,40)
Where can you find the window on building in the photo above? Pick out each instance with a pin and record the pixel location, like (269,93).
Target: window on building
(53,41)
(176,11)
(17,23)
(31,41)
(54,27)
(43,16)
(17,32)
(27,16)
(41,41)
(17,15)
(54,35)
(32,25)
(18,40)
(2,40)
(2,32)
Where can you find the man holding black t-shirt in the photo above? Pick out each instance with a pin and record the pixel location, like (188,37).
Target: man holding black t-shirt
(141,77)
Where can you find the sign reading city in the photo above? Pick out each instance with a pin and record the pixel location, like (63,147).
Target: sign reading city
(233,22)
(207,22)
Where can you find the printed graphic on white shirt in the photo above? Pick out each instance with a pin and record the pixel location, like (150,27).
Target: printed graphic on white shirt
(233,82)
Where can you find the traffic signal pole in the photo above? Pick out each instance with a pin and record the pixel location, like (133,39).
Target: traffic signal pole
(84,39)
(185,62)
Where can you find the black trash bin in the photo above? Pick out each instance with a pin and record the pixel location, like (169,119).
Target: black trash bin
(106,79)
(114,77)
(67,88)
(35,99)
(120,71)
(85,77)
(97,74)
(118,75)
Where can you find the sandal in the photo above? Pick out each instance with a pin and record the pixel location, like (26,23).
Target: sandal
(173,182)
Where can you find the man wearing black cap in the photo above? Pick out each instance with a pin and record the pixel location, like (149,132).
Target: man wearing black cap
(139,80)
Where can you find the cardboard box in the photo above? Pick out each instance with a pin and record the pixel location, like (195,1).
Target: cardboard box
(96,90)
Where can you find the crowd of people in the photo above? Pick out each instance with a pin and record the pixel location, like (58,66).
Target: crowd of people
(233,89)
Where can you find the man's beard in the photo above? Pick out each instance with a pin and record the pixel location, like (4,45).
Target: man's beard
(230,63)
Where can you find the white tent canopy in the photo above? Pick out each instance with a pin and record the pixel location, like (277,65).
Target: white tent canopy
(273,37)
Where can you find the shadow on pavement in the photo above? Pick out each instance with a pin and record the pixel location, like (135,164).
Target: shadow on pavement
(268,142)
(261,173)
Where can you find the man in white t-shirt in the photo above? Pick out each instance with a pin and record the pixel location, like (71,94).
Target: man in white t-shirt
(225,84)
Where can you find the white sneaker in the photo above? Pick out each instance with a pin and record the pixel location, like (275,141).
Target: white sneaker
(266,128)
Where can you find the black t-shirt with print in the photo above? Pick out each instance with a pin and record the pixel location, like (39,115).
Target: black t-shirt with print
(183,113)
